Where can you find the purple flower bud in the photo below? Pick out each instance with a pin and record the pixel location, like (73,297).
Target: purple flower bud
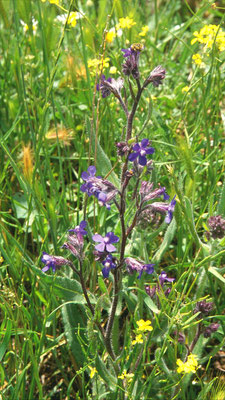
(203,307)
(150,291)
(110,85)
(122,148)
(54,262)
(105,242)
(210,329)
(156,76)
(134,265)
(217,227)
(131,65)
(180,337)
(148,194)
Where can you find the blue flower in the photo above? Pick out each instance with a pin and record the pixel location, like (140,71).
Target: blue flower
(105,242)
(134,265)
(170,211)
(140,151)
(108,265)
(54,262)
(163,277)
(80,229)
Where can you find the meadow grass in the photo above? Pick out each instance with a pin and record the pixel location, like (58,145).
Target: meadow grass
(54,124)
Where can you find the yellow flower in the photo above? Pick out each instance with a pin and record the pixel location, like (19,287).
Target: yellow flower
(110,35)
(144,30)
(125,23)
(72,20)
(127,376)
(209,35)
(1,260)
(94,64)
(51,1)
(112,70)
(93,371)
(197,59)
(185,89)
(191,365)
(138,339)
(144,326)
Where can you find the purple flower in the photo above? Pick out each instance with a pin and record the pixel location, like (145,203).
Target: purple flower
(203,307)
(108,263)
(110,85)
(131,65)
(164,208)
(217,227)
(210,329)
(140,151)
(102,189)
(80,229)
(147,193)
(163,277)
(102,87)
(54,262)
(105,242)
(134,265)
(156,76)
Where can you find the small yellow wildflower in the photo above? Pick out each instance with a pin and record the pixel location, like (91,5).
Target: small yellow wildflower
(144,30)
(127,376)
(185,89)
(213,5)
(197,59)
(1,260)
(144,326)
(209,35)
(52,1)
(93,372)
(112,70)
(94,64)
(190,365)
(138,339)
(110,35)
(125,23)
(72,20)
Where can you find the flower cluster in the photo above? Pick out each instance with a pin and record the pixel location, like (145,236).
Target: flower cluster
(216,227)
(102,189)
(74,244)
(131,64)
(154,290)
(208,35)
(191,365)
(127,376)
(104,250)
(96,64)
(143,327)
(110,85)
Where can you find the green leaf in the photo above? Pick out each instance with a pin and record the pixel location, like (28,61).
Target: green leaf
(105,375)
(103,163)
(150,304)
(214,272)
(6,339)
(170,232)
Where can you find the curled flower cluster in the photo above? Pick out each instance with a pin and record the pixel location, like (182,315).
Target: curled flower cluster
(102,189)
(216,227)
